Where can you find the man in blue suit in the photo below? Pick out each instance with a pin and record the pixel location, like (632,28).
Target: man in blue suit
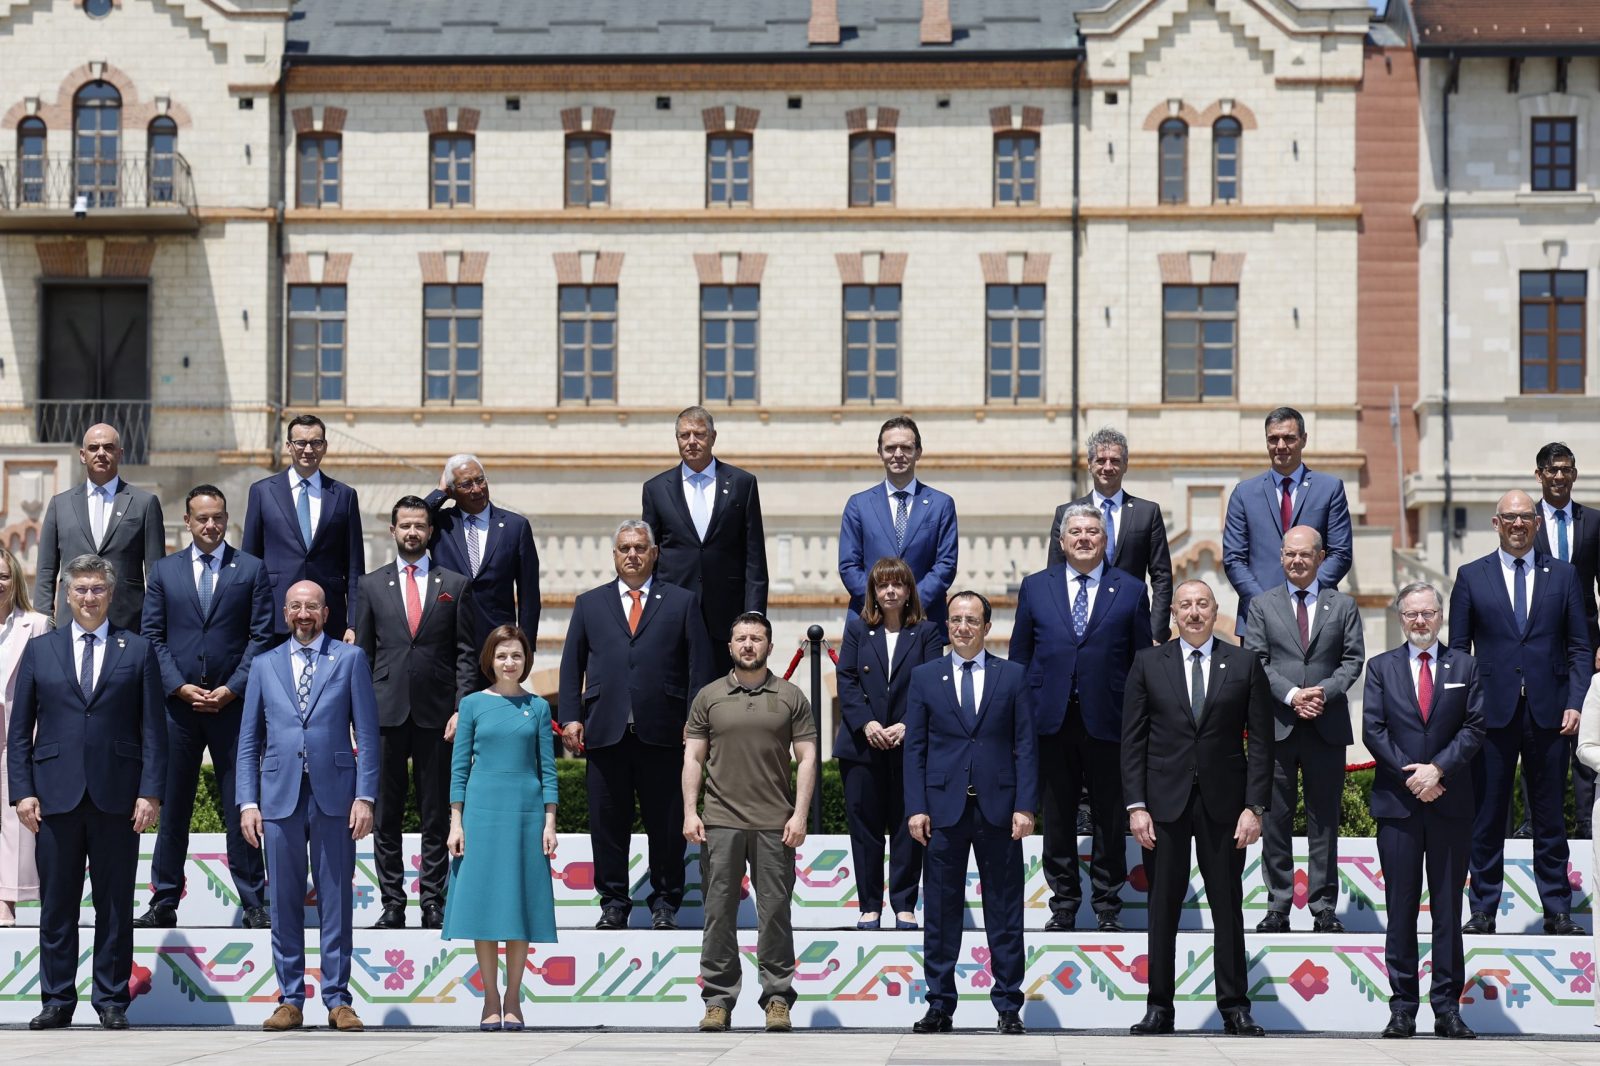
(900,517)
(1078,626)
(305,526)
(1422,719)
(1518,612)
(1262,509)
(971,775)
(208,612)
(300,784)
(88,757)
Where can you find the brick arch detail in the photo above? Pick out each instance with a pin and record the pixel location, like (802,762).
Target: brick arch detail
(1242,112)
(1161,112)
(137,114)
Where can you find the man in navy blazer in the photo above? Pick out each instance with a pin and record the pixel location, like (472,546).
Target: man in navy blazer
(305,526)
(634,658)
(1422,720)
(900,517)
(1262,509)
(88,758)
(971,773)
(300,783)
(1518,613)
(1077,629)
(491,546)
(208,613)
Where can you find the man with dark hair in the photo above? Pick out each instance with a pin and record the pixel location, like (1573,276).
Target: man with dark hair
(414,620)
(305,526)
(1262,509)
(208,614)
(900,517)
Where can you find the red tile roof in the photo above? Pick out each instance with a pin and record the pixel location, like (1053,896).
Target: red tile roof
(1507,23)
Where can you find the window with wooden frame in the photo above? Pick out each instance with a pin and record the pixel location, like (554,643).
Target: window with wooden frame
(728,169)
(162,160)
(588,342)
(450,161)
(871,343)
(452,344)
(730,343)
(317,344)
(317,168)
(872,170)
(1015,334)
(32,137)
(1016,169)
(1555,153)
(1227,154)
(1200,341)
(1174,161)
(1554,337)
(588,169)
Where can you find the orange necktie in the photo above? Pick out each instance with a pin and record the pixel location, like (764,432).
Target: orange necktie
(636,610)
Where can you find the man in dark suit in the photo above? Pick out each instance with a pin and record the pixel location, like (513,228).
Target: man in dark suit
(88,757)
(1308,638)
(706,515)
(208,613)
(414,620)
(635,657)
(104,516)
(1188,777)
(971,774)
(900,517)
(1136,534)
(307,527)
(490,545)
(1262,509)
(1518,612)
(1422,720)
(1077,628)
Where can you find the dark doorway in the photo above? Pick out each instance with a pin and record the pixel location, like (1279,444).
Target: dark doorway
(95,364)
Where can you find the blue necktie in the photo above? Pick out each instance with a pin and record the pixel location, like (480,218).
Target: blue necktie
(902,510)
(86,672)
(969,688)
(206,583)
(1197,685)
(303,690)
(1080,605)
(1519,598)
(303,509)
(699,511)
(1111,529)
(1561,536)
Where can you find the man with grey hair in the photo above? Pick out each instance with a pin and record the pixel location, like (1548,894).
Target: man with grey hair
(635,656)
(489,545)
(1136,534)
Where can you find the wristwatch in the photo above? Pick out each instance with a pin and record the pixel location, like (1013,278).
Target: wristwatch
(1257,809)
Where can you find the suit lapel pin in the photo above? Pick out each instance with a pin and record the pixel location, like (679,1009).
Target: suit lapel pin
(502,525)
(1222,666)
(658,595)
(391,584)
(121,643)
(924,501)
(946,677)
(1546,569)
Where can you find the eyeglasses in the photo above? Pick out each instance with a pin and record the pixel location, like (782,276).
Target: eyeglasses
(473,483)
(1419,616)
(1559,471)
(308,445)
(1513,518)
(86,592)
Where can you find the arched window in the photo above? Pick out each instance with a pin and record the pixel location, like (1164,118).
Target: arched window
(97,143)
(163,160)
(1174,161)
(31,161)
(1227,147)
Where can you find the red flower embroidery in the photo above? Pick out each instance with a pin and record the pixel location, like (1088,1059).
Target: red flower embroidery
(1309,979)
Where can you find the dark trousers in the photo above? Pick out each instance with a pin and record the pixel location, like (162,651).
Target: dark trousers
(105,840)
(1407,847)
(945,907)
(875,807)
(1222,872)
(1544,753)
(1304,758)
(617,775)
(1069,760)
(1583,780)
(428,754)
(189,736)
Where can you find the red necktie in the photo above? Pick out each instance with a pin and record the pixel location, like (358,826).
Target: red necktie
(1302,619)
(1424,685)
(636,610)
(1286,509)
(413,601)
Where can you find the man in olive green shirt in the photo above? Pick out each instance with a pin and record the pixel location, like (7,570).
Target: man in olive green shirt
(741,729)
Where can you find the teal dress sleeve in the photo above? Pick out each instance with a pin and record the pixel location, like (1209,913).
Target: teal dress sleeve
(547,753)
(461,753)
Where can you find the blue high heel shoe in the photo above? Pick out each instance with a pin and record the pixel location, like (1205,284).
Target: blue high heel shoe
(871,923)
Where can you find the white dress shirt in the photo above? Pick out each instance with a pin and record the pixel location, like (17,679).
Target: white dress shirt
(1186,649)
(480,522)
(99,649)
(708,491)
(1095,577)
(889,641)
(1416,665)
(1548,513)
(627,601)
(1295,480)
(980,661)
(100,506)
(1116,499)
(1311,620)
(1508,573)
(316,494)
(214,566)
(911,488)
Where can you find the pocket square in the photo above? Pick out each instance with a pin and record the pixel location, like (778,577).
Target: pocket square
(445,597)
(1455,684)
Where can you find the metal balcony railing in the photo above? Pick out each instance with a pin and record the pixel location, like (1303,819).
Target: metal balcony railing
(69,183)
(65,421)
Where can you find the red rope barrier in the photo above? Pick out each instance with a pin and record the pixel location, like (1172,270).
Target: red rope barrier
(799,653)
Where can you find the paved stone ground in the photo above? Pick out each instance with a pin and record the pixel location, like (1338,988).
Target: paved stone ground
(319,1047)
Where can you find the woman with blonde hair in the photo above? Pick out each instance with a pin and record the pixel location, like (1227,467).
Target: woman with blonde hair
(19,623)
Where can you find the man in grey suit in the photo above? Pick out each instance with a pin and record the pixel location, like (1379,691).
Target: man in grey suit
(104,516)
(1308,638)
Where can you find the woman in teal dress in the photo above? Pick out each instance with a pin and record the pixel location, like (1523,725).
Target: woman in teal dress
(503,772)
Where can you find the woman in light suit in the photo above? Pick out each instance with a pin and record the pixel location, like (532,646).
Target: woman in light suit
(19,877)
(1589,755)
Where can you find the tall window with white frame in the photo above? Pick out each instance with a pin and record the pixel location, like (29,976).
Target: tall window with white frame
(871,344)
(31,141)
(317,344)
(588,328)
(1227,152)
(728,169)
(1554,307)
(450,160)
(872,170)
(1016,169)
(1174,161)
(1200,337)
(588,169)
(730,343)
(452,344)
(318,162)
(1015,329)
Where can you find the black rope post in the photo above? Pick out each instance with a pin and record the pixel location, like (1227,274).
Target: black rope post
(814,647)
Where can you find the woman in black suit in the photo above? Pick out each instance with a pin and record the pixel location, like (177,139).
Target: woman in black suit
(881,646)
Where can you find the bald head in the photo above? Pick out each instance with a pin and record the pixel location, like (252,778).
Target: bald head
(101,452)
(1301,555)
(305,608)
(1516,520)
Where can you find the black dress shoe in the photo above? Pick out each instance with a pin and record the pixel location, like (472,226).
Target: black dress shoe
(664,918)
(158,916)
(1274,922)
(257,918)
(1402,1026)
(113,1018)
(432,916)
(1154,1022)
(1112,923)
(1327,923)
(1450,1026)
(392,918)
(935,1021)
(1562,925)
(51,1018)
(1239,1023)
(1061,923)
(1010,1023)
(1480,924)
(612,918)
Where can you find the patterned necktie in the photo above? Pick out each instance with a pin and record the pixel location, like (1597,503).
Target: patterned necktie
(207,583)
(1302,618)
(413,600)
(303,690)
(1286,508)
(1561,536)
(474,549)
(902,510)
(1519,598)
(302,508)
(1111,529)
(969,688)
(636,610)
(1080,605)
(86,671)
(699,509)
(1197,685)
(1424,686)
